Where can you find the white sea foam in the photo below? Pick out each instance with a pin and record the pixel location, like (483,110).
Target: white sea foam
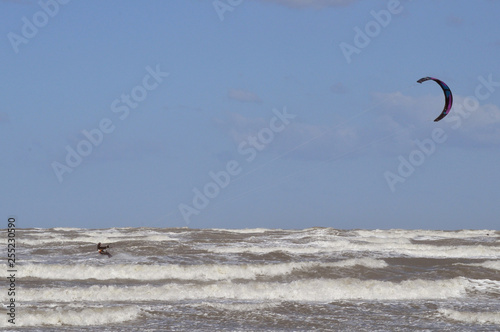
(472,317)
(245,230)
(492,265)
(224,275)
(241,306)
(312,290)
(423,233)
(387,248)
(486,286)
(318,231)
(95,238)
(73,317)
(63,229)
(204,272)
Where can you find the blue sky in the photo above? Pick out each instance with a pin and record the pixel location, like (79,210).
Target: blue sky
(249,113)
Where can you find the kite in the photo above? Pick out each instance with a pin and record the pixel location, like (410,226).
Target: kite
(448,97)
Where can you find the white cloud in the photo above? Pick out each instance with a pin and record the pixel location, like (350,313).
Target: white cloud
(298,140)
(391,128)
(407,109)
(472,124)
(476,126)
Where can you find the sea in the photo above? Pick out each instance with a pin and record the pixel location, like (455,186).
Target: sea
(315,279)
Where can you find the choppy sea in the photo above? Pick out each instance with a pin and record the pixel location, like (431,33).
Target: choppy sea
(321,279)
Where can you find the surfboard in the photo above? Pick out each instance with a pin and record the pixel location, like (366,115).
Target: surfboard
(106,253)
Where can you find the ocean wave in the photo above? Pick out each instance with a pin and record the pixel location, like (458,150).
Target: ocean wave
(485,286)
(387,248)
(73,317)
(205,272)
(94,239)
(311,290)
(492,265)
(424,234)
(366,262)
(471,317)
(245,230)
(238,306)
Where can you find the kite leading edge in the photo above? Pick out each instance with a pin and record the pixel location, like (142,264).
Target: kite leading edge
(447,95)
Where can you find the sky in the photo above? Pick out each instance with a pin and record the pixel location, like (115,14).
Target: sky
(249,113)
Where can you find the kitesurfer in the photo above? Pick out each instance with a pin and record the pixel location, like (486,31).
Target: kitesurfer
(102,249)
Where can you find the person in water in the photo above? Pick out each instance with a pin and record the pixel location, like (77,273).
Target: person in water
(102,249)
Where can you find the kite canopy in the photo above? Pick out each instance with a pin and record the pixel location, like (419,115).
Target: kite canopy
(448,97)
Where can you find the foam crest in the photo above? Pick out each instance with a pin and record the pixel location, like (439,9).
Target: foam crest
(73,317)
(424,234)
(313,290)
(471,317)
(45,240)
(492,265)
(388,248)
(486,286)
(207,272)
(242,306)
(244,230)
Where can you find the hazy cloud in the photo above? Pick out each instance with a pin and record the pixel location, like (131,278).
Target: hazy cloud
(338,88)
(313,3)
(243,96)
(21,2)
(4,117)
(181,107)
(298,140)
(396,123)
(471,126)
(454,21)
